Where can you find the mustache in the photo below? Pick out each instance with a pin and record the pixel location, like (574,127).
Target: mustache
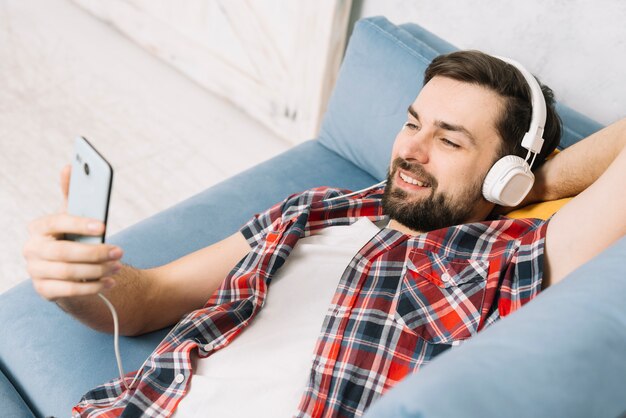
(414,168)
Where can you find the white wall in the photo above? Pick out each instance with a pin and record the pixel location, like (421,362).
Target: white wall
(275,59)
(577,47)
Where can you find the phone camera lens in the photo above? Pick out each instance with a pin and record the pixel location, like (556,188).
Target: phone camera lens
(86,168)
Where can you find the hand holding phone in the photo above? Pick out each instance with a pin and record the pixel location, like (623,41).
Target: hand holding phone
(88,197)
(60,268)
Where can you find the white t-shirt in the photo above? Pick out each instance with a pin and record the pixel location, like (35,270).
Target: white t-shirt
(263,372)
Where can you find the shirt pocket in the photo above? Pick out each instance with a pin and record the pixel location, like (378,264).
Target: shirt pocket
(441,298)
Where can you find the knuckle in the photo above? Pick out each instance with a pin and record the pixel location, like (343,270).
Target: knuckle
(59,251)
(66,270)
(33,270)
(73,290)
(98,254)
(104,253)
(81,289)
(41,288)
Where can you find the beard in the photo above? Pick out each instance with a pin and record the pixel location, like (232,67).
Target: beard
(439,210)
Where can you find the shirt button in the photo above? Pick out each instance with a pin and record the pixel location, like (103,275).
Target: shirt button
(208,347)
(179,378)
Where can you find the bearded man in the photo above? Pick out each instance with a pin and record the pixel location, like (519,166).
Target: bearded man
(319,305)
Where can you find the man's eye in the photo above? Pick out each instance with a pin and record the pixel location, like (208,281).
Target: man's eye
(449,143)
(411,126)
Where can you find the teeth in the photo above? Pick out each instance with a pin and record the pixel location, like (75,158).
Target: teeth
(411,180)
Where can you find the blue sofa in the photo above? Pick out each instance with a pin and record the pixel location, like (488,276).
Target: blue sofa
(563,355)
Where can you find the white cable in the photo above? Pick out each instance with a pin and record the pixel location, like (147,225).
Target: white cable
(528,154)
(116,337)
(533,161)
(358,191)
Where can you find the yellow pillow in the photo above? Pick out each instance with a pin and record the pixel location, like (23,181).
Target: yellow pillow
(542,210)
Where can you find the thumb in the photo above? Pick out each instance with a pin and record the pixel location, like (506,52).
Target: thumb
(66,173)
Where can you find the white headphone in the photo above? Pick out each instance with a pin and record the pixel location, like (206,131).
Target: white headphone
(510,179)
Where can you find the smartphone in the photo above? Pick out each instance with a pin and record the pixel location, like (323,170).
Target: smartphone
(90,187)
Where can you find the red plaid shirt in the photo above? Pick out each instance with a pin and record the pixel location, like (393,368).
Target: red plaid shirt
(401,301)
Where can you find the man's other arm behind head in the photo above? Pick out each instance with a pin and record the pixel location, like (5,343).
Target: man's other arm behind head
(593,170)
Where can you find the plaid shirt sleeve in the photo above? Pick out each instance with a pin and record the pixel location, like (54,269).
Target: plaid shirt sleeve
(521,278)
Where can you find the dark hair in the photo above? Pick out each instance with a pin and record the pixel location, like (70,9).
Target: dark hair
(484,70)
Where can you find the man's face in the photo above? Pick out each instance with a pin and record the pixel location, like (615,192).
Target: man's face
(441,156)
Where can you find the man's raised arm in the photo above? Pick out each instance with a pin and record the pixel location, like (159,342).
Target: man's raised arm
(594,169)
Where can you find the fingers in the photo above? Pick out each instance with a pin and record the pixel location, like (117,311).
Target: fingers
(61,269)
(66,173)
(58,224)
(71,252)
(43,269)
(56,289)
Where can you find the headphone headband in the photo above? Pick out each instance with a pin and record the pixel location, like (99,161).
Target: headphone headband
(533,139)
(510,179)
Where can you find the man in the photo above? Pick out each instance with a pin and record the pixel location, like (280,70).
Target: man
(427,267)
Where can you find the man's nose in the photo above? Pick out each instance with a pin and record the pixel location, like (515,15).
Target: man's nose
(416,147)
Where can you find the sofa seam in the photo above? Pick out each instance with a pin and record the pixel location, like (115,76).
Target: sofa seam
(18,389)
(402,43)
(570,130)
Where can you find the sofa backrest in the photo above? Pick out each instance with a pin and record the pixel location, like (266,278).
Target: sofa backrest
(380,77)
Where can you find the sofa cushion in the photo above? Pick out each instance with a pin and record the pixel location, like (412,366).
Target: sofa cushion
(380,77)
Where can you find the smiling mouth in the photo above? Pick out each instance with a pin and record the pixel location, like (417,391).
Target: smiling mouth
(411,180)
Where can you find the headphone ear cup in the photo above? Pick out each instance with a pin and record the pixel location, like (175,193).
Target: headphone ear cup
(508,182)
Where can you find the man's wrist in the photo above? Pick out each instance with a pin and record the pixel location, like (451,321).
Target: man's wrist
(539,191)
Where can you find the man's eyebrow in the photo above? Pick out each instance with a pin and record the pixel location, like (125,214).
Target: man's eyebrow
(456,128)
(446,126)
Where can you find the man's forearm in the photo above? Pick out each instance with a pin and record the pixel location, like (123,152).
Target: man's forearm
(130,293)
(577,167)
